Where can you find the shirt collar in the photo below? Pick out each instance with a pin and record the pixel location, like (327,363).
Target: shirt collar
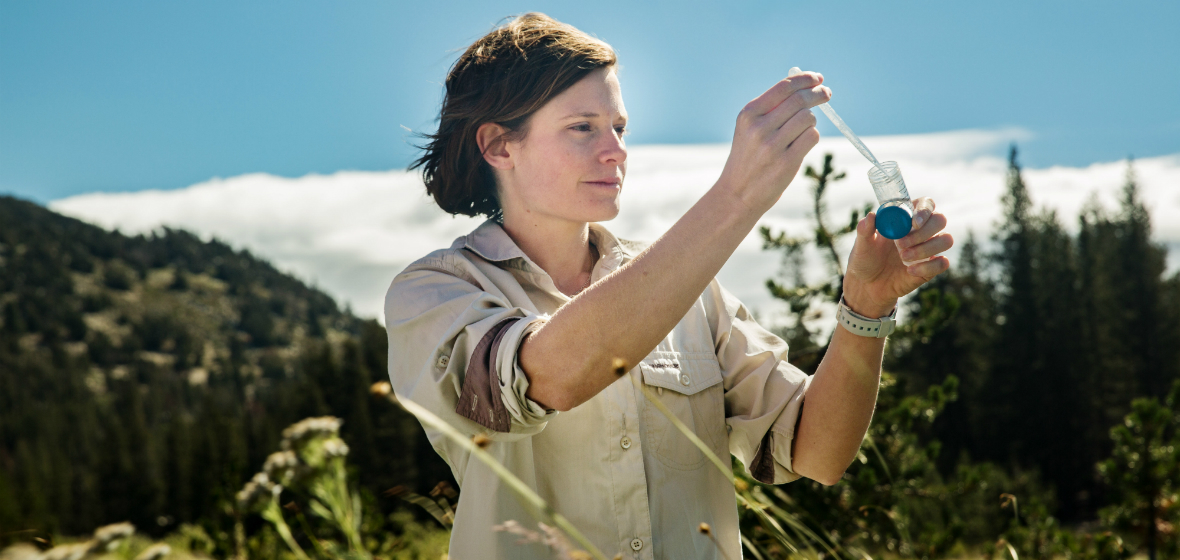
(491,242)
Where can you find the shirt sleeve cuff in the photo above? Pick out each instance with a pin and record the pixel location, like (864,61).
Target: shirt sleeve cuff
(494,386)
(772,462)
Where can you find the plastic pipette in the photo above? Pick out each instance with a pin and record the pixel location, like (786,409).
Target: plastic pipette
(895,215)
(839,122)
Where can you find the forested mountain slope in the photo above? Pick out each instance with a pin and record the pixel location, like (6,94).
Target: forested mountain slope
(145,378)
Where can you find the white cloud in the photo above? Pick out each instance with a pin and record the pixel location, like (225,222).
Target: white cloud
(351,232)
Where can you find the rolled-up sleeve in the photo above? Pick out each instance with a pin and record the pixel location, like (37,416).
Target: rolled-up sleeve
(453,350)
(763,392)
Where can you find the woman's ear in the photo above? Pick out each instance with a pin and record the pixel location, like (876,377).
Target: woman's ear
(492,144)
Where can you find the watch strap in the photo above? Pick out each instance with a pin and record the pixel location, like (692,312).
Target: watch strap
(860,325)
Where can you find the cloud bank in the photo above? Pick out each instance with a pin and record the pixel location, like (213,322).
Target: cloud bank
(350,232)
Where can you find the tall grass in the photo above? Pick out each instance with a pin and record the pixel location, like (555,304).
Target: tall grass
(892,503)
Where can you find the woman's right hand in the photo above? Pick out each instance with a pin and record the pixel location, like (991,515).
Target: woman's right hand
(773,134)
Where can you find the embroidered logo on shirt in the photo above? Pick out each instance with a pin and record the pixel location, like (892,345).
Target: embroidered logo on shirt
(664,364)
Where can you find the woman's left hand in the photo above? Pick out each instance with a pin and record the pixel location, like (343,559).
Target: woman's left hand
(876,275)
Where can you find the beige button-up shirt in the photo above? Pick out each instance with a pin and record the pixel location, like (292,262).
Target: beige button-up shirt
(614,465)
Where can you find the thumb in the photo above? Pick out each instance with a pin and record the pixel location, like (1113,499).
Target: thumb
(867,228)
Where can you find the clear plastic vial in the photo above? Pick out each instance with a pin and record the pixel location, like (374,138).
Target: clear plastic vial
(895,216)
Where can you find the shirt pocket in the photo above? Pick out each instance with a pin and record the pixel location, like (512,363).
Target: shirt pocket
(689,385)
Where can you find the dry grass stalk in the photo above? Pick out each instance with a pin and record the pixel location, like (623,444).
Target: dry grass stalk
(688,433)
(1006,499)
(1010,548)
(540,507)
(706,530)
(548,536)
(438,507)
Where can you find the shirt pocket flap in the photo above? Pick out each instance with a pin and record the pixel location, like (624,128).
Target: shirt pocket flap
(685,373)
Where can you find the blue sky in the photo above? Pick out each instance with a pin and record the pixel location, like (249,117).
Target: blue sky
(125,96)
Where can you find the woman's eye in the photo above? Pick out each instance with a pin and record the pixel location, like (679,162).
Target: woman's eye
(581,127)
(622,130)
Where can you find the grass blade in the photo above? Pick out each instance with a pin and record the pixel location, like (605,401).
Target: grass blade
(688,433)
(541,508)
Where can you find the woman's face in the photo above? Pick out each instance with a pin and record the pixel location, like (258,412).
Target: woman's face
(571,162)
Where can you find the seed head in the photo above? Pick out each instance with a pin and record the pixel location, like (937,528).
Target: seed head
(381,389)
(481,440)
(705,529)
(619,366)
(444,489)
(741,485)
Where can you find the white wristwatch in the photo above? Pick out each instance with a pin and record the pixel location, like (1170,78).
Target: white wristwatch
(860,325)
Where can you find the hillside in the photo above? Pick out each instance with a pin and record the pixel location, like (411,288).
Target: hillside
(145,378)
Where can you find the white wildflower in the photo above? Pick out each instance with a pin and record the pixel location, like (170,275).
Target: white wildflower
(283,467)
(75,551)
(154,552)
(308,429)
(335,447)
(257,490)
(109,535)
(21,551)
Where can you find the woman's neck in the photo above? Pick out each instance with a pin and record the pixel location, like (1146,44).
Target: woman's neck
(562,249)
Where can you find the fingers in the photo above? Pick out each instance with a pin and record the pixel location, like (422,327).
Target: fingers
(923,208)
(779,92)
(798,102)
(799,148)
(931,225)
(867,226)
(930,268)
(935,245)
(796,125)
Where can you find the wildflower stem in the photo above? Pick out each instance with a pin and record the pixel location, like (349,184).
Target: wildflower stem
(335,502)
(273,512)
(319,547)
(802,529)
(239,538)
(541,508)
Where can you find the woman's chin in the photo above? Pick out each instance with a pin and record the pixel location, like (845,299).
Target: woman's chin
(603,212)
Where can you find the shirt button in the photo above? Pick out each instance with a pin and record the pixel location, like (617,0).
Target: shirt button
(636,544)
(684,380)
(443,360)
(625,443)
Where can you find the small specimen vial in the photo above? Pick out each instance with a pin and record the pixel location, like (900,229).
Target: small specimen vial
(895,216)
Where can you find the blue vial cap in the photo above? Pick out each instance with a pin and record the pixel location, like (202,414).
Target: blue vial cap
(893,221)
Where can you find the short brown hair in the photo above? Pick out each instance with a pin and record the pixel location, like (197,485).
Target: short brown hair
(503,78)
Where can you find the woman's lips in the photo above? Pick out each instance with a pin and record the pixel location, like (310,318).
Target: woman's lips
(613,183)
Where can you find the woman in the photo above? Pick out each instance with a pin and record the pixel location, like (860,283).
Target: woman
(513,330)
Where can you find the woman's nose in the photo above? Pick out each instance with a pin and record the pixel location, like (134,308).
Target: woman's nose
(615,150)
